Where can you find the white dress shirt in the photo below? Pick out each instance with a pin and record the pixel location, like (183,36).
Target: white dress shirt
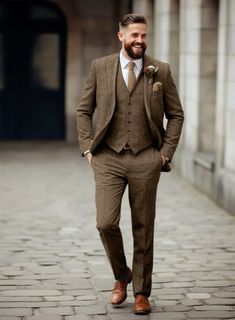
(124,66)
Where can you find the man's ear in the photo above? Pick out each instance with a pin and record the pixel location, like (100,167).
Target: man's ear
(120,36)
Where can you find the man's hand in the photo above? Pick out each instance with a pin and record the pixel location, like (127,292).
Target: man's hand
(89,156)
(164,159)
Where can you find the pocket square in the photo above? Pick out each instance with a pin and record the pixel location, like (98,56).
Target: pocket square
(157,86)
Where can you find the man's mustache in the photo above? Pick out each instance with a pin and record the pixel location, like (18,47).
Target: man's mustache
(142,45)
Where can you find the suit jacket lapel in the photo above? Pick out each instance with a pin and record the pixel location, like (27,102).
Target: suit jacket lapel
(148,89)
(111,74)
(147,86)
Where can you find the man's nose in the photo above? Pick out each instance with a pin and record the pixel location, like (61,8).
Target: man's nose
(139,39)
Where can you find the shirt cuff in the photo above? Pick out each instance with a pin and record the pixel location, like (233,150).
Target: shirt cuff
(86,152)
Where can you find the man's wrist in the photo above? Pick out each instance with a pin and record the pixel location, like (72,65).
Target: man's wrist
(165,158)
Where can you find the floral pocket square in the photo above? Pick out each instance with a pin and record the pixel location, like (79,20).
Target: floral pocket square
(157,86)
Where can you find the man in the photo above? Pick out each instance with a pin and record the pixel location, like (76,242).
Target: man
(130,93)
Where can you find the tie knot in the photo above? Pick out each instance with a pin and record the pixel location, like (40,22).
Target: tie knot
(131,65)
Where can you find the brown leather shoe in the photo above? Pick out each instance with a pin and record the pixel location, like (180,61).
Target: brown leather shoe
(119,293)
(142,305)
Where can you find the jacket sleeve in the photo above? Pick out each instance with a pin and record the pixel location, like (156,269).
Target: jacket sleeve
(175,116)
(85,111)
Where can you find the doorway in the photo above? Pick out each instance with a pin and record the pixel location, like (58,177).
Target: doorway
(32,70)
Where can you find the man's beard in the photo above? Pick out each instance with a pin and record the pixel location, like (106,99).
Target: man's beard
(130,51)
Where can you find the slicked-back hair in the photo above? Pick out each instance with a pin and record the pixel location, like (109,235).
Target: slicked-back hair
(131,18)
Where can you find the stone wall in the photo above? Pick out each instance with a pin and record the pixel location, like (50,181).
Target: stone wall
(205,76)
(91,33)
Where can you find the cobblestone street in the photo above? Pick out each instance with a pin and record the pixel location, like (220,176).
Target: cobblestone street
(52,263)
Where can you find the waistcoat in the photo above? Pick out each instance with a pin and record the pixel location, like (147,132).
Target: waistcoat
(129,124)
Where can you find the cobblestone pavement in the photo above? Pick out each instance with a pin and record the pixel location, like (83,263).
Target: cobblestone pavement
(52,264)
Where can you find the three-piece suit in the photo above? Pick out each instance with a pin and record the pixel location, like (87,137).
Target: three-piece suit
(126,142)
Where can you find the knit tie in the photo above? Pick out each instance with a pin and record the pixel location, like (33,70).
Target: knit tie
(131,75)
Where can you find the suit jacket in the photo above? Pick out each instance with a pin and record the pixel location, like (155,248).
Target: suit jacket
(100,95)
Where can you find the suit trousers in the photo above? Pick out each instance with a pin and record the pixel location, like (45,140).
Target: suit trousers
(113,172)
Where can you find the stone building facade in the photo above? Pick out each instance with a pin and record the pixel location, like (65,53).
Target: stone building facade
(197,38)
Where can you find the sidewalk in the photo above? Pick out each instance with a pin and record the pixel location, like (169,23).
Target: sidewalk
(52,263)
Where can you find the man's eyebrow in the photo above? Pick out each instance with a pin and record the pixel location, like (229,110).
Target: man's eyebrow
(136,32)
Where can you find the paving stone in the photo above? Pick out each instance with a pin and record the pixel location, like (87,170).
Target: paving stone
(103,284)
(76,303)
(177,308)
(232,289)
(47,286)
(224,294)
(127,317)
(191,302)
(170,297)
(167,316)
(199,295)
(220,301)
(59,298)
(90,310)
(31,293)
(123,308)
(162,280)
(19,299)
(79,292)
(9,318)
(58,310)
(87,297)
(42,317)
(9,271)
(80,283)
(210,314)
(205,290)
(26,304)
(164,291)
(79,317)
(17,282)
(222,283)
(20,312)
(164,274)
(179,285)
(215,307)
(163,303)
(49,270)
(30,276)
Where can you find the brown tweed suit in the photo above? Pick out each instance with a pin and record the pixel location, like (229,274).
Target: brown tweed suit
(139,168)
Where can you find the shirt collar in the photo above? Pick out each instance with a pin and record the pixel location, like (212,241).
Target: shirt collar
(124,62)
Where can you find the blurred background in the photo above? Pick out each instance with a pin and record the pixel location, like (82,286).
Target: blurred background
(46,48)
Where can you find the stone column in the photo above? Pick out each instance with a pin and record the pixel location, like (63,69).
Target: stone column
(166,36)
(225,107)
(145,7)
(73,66)
(198,66)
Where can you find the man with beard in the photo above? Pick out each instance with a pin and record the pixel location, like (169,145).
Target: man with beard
(130,92)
